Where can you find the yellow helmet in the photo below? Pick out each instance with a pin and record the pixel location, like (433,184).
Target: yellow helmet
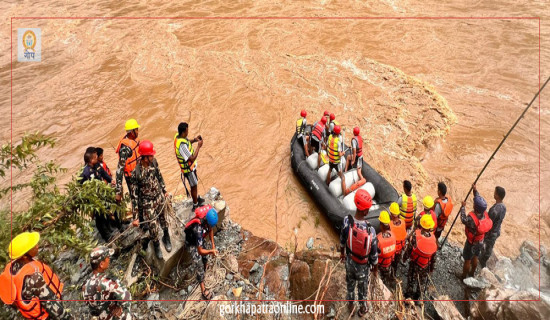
(384,217)
(394,208)
(427,222)
(131,125)
(428,202)
(22,243)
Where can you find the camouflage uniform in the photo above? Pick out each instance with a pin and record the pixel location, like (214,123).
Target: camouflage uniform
(417,278)
(35,286)
(149,192)
(194,239)
(100,287)
(124,153)
(358,274)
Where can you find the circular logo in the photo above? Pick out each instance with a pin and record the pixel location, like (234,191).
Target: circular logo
(29,40)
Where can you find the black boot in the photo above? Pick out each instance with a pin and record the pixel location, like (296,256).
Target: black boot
(156,245)
(166,241)
(200,201)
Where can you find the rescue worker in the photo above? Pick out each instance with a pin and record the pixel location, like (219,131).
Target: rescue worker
(477,223)
(317,135)
(100,288)
(358,246)
(421,250)
(335,149)
(331,124)
(428,203)
(397,227)
(102,163)
(187,159)
(355,159)
(386,248)
(150,191)
(196,231)
(443,208)
(128,154)
(28,284)
(91,169)
(407,204)
(301,125)
(497,214)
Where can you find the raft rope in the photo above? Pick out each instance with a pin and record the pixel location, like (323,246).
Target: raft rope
(491,157)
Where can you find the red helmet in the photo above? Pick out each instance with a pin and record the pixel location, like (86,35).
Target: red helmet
(356,131)
(327,113)
(324,120)
(146,148)
(337,129)
(332,116)
(362,199)
(303,113)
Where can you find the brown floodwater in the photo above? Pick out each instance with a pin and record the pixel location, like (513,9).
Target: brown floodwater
(241,83)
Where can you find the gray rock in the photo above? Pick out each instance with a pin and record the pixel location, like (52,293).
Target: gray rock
(309,243)
(151,298)
(229,276)
(331,314)
(183,293)
(190,289)
(255,268)
(240,283)
(475,283)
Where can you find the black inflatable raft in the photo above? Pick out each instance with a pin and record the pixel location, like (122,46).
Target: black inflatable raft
(385,193)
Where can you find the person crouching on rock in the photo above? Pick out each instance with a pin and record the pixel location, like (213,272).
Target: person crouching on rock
(386,248)
(150,192)
(196,230)
(101,292)
(358,246)
(422,249)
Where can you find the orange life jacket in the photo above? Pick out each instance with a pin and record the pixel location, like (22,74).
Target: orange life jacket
(424,250)
(400,232)
(408,209)
(482,227)
(359,151)
(387,250)
(30,309)
(446,209)
(318,130)
(132,160)
(433,217)
(104,166)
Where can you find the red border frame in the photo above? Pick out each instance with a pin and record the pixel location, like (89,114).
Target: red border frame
(272,18)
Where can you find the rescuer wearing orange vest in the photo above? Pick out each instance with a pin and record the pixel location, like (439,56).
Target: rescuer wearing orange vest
(397,226)
(358,246)
(443,208)
(428,203)
(476,223)
(128,155)
(386,247)
(28,284)
(422,250)
(407,204)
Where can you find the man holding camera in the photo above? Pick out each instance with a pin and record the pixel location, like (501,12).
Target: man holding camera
(187,159)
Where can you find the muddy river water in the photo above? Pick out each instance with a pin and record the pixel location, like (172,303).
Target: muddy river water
(241,83)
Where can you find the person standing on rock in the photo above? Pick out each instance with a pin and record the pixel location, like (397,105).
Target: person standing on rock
(187,159)
(386,248)
(358,246)
(477,223)
(497,214)
(421,250)
(443,208)
(128,154)
(150,191)
(30,285)
(397,226)
(196,230)
(407,204)
(99,288)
